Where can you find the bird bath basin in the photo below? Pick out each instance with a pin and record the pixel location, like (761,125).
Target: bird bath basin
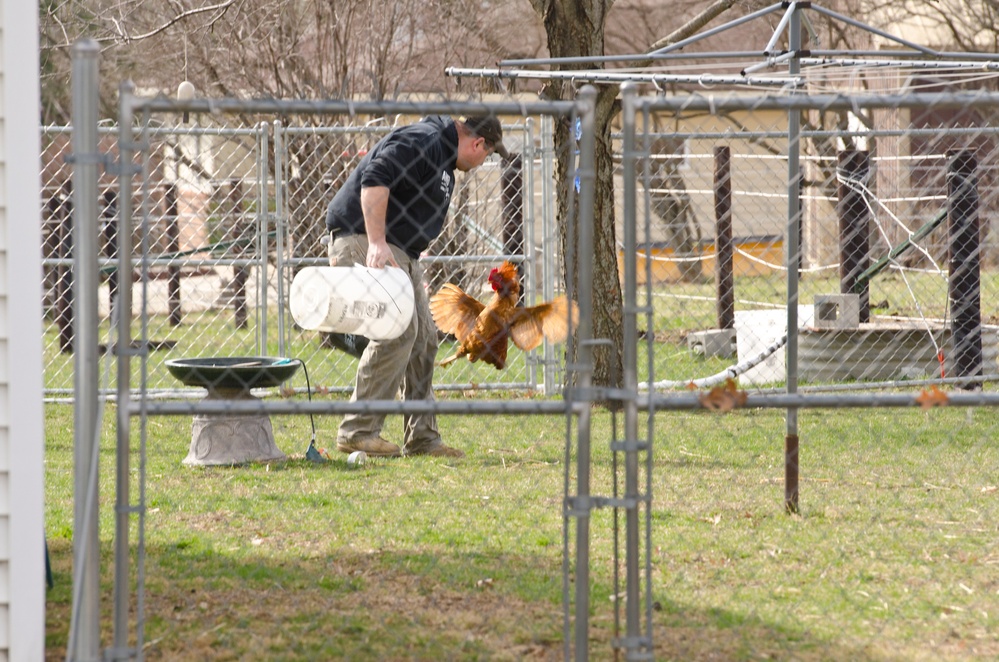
(226,439)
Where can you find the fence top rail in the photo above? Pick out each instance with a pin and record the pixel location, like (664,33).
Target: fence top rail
(339,107)
(110,127)
(742,101)
(379,129)
(737,134)
(693,401)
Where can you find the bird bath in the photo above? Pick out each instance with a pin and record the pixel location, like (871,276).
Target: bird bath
(226,439)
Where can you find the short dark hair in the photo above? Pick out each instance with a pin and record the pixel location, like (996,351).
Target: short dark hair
(489,128)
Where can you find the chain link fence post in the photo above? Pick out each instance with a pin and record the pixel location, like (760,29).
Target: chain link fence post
(85,628)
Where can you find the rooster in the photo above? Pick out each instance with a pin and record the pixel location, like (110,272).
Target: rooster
(483,330)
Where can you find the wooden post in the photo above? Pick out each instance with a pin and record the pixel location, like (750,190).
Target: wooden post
(964,287)
(64,273)
(109,243)
(173,248)
(854,219)
(513,212)
(240,273)
(724,249)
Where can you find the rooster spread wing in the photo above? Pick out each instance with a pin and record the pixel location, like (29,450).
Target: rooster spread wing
(529,326)
(454,311)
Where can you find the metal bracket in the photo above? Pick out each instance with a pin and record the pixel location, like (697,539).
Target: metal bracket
(581,505)
(628,446)
(100,158)
(130,509)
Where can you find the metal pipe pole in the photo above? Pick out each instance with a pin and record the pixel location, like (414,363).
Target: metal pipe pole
(873,30)
(548,240)
(85,626)
(527,200)
(584,360)
(633,588)
(279,229)
(721,28)
(603,76)
(791,261)
(123,308)
(784,20)
(264,216)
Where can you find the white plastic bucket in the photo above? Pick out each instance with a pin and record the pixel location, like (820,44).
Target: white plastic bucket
(374,303)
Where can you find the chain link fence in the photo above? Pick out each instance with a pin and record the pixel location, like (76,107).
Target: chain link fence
(234,213)
(795,264)
(801,264)
(883,260)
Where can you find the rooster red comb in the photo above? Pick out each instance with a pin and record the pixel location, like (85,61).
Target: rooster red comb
(505,273)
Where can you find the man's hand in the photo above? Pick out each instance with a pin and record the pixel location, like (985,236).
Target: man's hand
(379,254)
(374,204)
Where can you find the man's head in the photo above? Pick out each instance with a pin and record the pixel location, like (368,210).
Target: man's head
(478,137)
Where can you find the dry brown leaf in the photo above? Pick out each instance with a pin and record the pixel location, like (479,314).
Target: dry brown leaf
(724,398)
(287,392)
(932,397)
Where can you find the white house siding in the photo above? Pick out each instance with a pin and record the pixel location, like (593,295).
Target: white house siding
(22,439)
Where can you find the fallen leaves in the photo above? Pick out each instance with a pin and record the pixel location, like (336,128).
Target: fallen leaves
(932,397)
(724,398)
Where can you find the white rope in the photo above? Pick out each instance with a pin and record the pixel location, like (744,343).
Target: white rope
(858,186)
(728,373)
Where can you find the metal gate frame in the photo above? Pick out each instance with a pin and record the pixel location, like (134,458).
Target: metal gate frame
(137,403)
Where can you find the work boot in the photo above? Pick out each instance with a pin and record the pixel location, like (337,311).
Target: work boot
(440,450)
(373,446)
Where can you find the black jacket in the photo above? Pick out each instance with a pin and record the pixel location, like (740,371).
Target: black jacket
(416,162)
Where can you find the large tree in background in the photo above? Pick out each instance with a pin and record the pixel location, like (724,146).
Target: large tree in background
(576,28)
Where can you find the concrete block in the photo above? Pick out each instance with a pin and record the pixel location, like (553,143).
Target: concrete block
(837,311)
(714,342)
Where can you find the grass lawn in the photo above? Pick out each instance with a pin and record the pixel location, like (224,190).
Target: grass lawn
(894,556)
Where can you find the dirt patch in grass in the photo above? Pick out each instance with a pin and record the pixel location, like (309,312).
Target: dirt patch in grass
(340,609)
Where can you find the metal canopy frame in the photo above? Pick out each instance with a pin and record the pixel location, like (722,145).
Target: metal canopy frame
(915,56)
(790,86)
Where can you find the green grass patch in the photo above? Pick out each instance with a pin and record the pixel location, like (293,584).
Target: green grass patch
(892,557)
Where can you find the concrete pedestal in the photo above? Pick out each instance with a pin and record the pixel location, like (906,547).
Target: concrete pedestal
(231,439)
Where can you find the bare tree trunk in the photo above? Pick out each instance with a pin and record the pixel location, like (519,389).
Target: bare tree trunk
(576,28)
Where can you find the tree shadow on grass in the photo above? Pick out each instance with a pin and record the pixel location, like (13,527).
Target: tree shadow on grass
(206,603)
